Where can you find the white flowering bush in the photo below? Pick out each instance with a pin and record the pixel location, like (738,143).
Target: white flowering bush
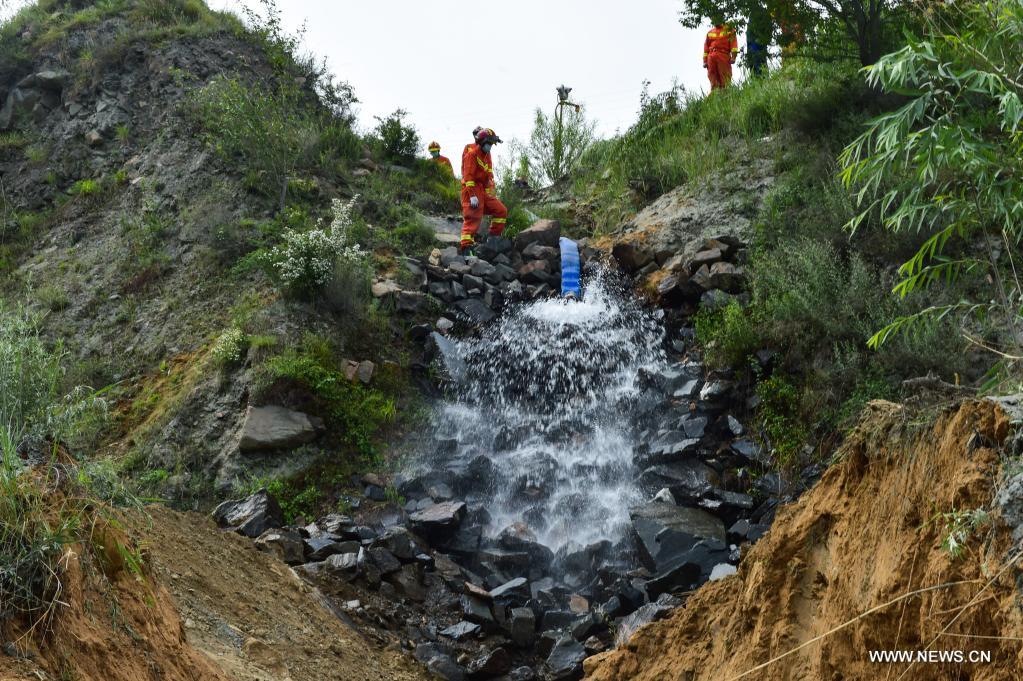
(307,261)
(227,349)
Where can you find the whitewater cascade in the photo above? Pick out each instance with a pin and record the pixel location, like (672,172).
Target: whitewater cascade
(543,405)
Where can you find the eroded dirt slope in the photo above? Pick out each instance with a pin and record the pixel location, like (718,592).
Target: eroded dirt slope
(252,615)
(211,608)
(869,532)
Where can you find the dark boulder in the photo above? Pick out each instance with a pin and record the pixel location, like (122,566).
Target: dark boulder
(565,662)
(439,520)
(650,520)
(543,232)
(251,516)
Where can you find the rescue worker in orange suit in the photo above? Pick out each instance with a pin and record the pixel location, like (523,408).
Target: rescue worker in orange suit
(479,193)
(719,52)
(442,161)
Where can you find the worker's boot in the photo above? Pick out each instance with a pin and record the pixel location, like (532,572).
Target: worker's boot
(467,249)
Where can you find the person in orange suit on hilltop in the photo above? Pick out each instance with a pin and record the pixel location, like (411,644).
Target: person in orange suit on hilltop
(442,161)
(719,52)
(479,193)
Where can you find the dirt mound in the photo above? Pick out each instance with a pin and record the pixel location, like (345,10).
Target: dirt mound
(252,614)
(227,612)
(871,532)
(117,623)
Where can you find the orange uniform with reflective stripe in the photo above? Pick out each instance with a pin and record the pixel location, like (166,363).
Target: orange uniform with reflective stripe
(478,181)
(719,52)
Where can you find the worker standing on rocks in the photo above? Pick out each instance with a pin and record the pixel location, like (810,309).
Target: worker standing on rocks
(719,52)
(442,161)
(479,193)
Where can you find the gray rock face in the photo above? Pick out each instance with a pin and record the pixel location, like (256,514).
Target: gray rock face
(440,518)
(461,631)
(650,520)
(651,612)
(565,662)
(473,310)
(543,232)
(251,516)
(268,428)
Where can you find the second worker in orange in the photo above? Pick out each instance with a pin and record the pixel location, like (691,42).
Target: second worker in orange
(479,193)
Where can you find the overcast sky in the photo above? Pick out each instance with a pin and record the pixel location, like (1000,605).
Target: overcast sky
(454,65)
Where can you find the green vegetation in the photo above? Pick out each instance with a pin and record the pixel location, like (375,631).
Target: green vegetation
(42,512)
(556,144)
(683,138)
(397,140)
(358,413)
(946,165)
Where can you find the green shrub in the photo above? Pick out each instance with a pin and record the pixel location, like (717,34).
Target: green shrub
(86,188)
(227,350)
(356,411)
(729,335)
(270,130)
(309,261)
(398,140)
(781,418)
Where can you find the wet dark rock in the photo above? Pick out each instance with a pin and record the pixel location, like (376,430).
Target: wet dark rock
(251,516)
(689,569)
(511,563)
(688,390)
(521,626)
(285,544)
(536,251)
(517,537)
(399,542)
(384,560)
(751,451)
(727,277)
(439,520)
(687,480)
(473,311)
(714,391)
(490,664)
(322,547)
(409,582)
(446,668)
(461,631)
(557,619)
(521,674)
(612,608)
(493,247)
(476,610)
(335,523)
(471,282)
(583,626)
(586,559)
(694,426)
(441,290)
(651,612)
(565,662)
(375,493)
(670,446)
(464,542)
(516,590)
(535,272)
(649,520)
(482,268)
(739,530)
(450,255)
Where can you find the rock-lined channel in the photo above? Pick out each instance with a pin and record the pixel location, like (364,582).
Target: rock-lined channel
(583,470)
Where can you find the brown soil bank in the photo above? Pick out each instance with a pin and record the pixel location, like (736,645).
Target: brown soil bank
(226,612)
(869,533)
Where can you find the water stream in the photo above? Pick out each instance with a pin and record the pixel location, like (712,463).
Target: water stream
(541,418)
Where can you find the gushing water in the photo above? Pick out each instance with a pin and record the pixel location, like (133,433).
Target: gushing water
(544,403)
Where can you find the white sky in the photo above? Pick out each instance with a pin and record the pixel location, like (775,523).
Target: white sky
(454,64)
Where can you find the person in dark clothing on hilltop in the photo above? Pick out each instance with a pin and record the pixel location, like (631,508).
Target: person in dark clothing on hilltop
(758,37)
